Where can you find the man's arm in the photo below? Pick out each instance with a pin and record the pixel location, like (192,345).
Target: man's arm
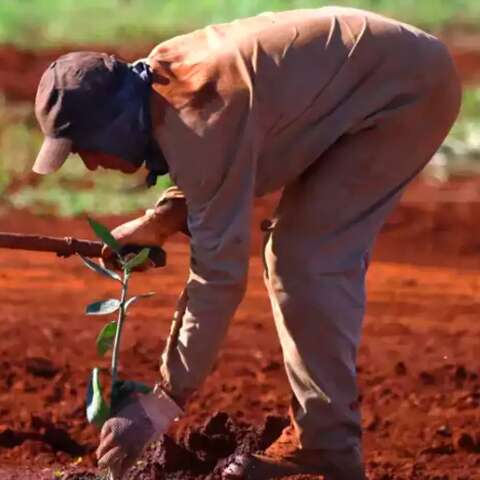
(220,245)
(167,217)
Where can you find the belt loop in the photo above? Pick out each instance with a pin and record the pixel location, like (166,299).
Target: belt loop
(267,226)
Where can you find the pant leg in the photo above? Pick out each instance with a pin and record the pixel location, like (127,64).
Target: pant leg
(316,253)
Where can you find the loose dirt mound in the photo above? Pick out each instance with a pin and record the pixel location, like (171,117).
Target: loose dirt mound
(202,453)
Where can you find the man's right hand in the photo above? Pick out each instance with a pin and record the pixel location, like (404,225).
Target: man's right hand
(168,217)
(128,432)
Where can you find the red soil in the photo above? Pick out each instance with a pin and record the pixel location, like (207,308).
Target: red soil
(419,363)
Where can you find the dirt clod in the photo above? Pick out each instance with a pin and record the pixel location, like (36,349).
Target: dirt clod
(201,453)
(44,432)
(427,378)
(461,373)
(442,448)
(40,367)
(400,369)
(467,443)
(444,431)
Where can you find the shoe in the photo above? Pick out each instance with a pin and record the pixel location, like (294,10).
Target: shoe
(329,465)
(286,457)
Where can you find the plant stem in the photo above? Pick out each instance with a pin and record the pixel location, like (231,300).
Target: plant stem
(120,322)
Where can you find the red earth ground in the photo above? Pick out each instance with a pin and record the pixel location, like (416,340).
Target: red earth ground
(419,364)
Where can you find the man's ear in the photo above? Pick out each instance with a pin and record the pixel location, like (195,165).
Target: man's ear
(161,71)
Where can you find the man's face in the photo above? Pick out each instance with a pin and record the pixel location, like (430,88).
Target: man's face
(93,160)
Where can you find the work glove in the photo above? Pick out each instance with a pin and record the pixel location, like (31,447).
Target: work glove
(124,436)
(168,217)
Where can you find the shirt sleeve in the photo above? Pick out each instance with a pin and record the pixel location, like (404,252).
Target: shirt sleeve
(219,218)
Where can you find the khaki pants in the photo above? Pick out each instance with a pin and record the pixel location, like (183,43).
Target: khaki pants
(316,253)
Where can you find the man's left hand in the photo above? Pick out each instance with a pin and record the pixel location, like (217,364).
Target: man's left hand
(168,217)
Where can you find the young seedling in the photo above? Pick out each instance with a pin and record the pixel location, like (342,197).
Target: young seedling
(98,408)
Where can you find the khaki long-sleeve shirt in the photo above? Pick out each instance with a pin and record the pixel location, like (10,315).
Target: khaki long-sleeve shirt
(244,108)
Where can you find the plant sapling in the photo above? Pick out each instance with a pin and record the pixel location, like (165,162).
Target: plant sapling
(98,409)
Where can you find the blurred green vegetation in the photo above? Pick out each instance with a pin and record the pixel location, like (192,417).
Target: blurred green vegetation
(41,23)
(467,129)
(75,190)
(45,23)
(460,153)
(71,191)
(109,193)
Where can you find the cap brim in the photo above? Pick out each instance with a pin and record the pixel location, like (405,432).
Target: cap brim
(52,155)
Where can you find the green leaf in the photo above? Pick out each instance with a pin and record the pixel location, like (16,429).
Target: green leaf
(132,300)
(122,390)
(137,260)
(103,307)
(101,270)
(106,337)
(103,233)
(98,410)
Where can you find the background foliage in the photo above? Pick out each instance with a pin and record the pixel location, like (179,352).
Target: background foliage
(38,24)
(50,22)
